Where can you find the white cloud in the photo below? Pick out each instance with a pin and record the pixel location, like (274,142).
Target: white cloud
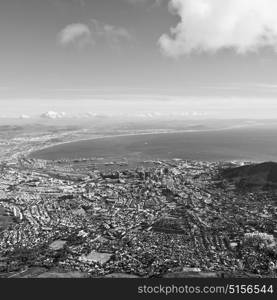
(137,1)
(78,34)
(24,116)
(53,115)
(116,33)
(112,34)
(152,2)
(212,25)
(81,34)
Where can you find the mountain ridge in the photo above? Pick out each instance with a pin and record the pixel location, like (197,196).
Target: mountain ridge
(259,175)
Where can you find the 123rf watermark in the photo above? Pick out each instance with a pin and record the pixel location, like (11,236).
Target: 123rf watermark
(211,289)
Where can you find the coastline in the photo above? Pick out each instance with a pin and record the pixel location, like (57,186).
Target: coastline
(140,134)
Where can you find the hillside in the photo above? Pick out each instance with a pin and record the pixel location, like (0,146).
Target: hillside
(259,175)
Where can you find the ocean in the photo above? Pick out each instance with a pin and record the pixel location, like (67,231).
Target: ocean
(246,143)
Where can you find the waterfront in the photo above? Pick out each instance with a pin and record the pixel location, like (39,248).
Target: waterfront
(252,143)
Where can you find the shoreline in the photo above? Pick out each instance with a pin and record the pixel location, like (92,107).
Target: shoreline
(138,134)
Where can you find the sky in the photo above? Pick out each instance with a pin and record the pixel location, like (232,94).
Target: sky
(214,58)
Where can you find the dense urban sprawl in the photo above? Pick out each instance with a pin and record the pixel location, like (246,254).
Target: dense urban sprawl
(109,219)
(146,221)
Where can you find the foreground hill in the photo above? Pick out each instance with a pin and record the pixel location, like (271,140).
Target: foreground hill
(259,175)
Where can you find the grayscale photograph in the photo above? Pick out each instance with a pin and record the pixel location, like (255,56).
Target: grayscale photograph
(138,139)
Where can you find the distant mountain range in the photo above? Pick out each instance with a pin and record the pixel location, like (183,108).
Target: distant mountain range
(54,115)
(259,175)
